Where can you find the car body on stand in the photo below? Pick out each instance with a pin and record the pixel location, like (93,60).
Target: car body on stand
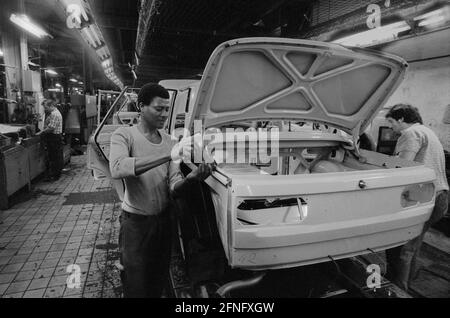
(319,197)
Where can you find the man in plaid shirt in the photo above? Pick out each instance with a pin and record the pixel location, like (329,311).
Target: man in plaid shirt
(53,138)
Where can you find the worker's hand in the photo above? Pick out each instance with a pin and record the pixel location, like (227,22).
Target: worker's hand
(188,149)
(182,150)
(197,149)
(202,172)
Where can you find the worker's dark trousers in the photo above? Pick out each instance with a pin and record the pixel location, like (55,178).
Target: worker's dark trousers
(401,260)
(55,154)
(145,248)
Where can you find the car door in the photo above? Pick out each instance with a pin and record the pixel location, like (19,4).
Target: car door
(181,101)
(99,142)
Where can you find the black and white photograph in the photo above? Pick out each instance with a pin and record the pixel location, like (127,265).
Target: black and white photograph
(225,156)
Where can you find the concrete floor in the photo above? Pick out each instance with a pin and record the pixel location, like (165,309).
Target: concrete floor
(71,221)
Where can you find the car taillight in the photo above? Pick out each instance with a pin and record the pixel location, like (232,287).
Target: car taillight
(417,193)
(272,211)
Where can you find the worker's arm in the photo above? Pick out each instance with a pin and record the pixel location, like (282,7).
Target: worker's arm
(144,164)
(408,155)
(46,131)
(122,165)
(178,184)
(409,145)
(51,125)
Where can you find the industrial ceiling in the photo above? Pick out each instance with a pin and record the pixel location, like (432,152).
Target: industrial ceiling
(151,40)
(157,39)
(117,20)
(176,37)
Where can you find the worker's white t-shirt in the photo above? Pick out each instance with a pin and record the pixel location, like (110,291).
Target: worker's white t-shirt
(429,151)
(148,193)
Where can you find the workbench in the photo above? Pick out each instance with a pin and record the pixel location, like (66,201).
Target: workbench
(14,172)
(19,164)
(36,156)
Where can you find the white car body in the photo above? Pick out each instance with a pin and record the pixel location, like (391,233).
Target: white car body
(322,198)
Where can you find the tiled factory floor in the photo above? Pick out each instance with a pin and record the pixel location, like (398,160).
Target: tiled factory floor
(71,221)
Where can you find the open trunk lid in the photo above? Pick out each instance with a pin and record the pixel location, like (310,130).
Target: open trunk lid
(273,78)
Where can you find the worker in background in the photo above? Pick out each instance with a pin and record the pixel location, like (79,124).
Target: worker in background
(143,156)
(417,143)
(52,136)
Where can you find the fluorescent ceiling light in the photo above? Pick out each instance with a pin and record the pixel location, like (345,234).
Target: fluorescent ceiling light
(52,72)
(1,53)
(88,36)
(73,80)
(24,22)
(91,36)
(107,63)
(95,34)
(54,90)
(103,52)
(81,83)
(434,17)
(58,85)
(378,35)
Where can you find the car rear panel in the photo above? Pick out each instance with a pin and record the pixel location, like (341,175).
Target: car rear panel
(343,219)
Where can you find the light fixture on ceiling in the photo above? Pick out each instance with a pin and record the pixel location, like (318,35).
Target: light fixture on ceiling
(107,63)
(51,72)
(434,18)
(25,23)
(259,23)
(375,36)
(58,85)
(103,52)
(79,17)
(33,64)
(73,80)
(1,52)
(91,36)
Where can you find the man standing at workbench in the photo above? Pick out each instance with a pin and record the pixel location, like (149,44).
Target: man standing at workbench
(52,135)
(142,156)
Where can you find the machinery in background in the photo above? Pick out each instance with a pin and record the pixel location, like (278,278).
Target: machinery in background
(382,134)
(81,115)
(104,101)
